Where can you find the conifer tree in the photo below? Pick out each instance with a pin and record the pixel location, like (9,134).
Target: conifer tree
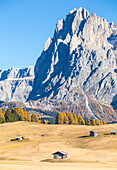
(2,118)
(8,116)
(92,122)
(15,115)
(86,122)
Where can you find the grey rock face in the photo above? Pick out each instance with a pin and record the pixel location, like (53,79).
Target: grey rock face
(82,55)
(16,84)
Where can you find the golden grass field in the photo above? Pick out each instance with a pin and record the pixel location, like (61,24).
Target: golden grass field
(34,153)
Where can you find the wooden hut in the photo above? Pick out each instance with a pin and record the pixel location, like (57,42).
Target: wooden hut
(60,155)
(94,133)
(19,138)
(114,132)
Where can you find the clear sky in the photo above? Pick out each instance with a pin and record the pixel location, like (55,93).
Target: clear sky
(25,25)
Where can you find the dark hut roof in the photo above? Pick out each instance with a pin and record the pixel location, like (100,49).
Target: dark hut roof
(61,152)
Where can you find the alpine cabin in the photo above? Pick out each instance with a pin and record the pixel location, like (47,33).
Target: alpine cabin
(114,132)
(19,138)
(60,155)
(94,133)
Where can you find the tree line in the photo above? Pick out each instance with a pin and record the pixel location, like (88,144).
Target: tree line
(71,118)
(18,114)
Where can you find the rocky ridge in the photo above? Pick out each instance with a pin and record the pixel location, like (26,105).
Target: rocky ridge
(16,84)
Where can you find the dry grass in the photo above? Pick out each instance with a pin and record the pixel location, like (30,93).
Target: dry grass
(35,153)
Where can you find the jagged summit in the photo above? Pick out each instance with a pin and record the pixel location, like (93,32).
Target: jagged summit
(75,9)
(75,17)
(81,12)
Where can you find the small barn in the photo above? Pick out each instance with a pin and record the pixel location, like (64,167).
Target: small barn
(60,155)
(94,133)
(19,138)
(114,132)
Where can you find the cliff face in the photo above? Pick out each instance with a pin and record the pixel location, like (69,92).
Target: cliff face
(82,55)
(16,84)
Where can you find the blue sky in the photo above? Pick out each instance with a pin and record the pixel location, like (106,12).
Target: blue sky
(25,25)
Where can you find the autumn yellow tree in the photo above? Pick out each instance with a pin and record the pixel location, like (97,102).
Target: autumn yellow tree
(34,118)
(101,122)
(47,122)
(4,111)
(39,121)
(26,115)
(65,120)
(59,118)
(92,122)
(87,122)
(2,118)
(23,114)
(75,119)
(81,120)
(70,118)
(97,122)
(104,123)
(20,112)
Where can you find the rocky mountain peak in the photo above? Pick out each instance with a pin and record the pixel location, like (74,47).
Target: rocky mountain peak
(71,22)
(82,13)
(80,59)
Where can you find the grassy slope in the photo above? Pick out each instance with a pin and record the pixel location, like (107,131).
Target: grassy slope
(42,140)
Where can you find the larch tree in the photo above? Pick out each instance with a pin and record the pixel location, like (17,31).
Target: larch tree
(81,120)
(26,115)
(59,118)
(2,118)
(65,119)
(92,122)
(34,118)
(70,118)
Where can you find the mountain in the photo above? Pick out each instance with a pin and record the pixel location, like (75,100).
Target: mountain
(16,84)
(78,66)
(76,72)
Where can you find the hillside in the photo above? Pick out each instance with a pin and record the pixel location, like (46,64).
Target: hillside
(42,140)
